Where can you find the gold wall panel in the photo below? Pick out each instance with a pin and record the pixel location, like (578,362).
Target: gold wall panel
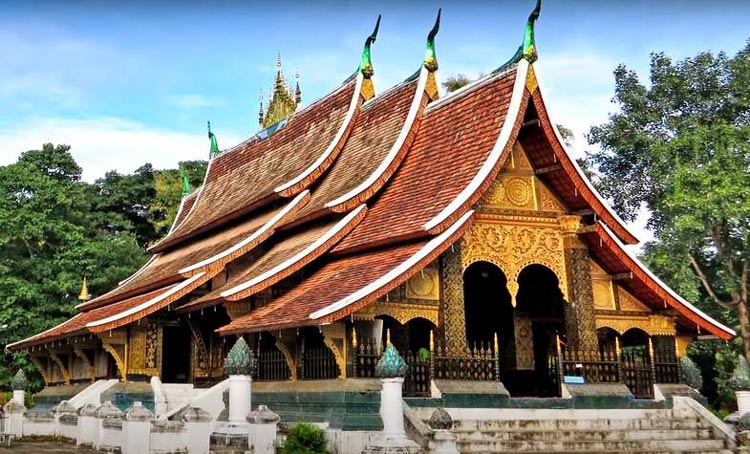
(629,303)
(424,285)
(603,296)
(512,248)
(524,343)
(402,312)
(654,325)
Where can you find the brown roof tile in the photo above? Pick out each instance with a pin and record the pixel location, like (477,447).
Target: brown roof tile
(375,132)
(298,250)
(350,275)
(454,140)
(245,176)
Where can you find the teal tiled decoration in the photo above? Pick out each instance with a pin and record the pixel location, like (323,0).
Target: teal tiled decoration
(391,364)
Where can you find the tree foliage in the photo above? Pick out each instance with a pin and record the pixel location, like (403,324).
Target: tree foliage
(680,148)
(56,229)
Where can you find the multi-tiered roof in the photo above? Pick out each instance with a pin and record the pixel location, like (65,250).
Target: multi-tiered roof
(352,195)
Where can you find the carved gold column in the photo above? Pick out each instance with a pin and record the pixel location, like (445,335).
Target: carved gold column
(453,313)
(580,319)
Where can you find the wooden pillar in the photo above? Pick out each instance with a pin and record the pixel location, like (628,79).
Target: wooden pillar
(580,320)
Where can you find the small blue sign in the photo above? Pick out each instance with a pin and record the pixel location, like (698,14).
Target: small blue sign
(573,379)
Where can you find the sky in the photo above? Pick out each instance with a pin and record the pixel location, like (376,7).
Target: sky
(125,83)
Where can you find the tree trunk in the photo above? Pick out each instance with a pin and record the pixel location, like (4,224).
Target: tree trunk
(744,319)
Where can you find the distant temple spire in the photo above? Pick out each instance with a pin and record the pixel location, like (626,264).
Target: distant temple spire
(185,184)
(430,58)
(365,66)
(84,295)
(214,143)
(282,101)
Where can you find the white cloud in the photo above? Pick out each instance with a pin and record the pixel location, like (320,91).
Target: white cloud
(194,101)
(104,144)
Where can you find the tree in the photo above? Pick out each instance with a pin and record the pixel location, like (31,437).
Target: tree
(453,83)
(680,148)
(50,238)
(168,187)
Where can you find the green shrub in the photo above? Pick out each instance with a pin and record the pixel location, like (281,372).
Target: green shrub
(693,376)
(305,439)
(740,379)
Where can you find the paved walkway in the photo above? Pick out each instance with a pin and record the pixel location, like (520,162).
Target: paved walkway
(46,447)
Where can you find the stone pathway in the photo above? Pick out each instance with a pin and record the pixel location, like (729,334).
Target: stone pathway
(44,447)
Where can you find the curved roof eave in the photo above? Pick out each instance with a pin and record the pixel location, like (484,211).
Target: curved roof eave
(671,297)
(490,166)
(601,207)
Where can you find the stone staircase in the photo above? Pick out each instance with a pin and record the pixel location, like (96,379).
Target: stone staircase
(591,431)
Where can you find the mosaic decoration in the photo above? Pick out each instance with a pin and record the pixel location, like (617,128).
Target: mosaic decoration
(454,318)
(239,361)
(366,67)
(430,58)
(391,364)
(19,382)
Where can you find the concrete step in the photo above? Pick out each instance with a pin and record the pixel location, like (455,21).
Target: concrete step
(574,424)
(591,446)
(588,435)
(718,451)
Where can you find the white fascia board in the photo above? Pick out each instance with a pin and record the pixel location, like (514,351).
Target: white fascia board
(394,273)
(298,256)
(577,168)
(667,288)
(510,119)
(332,146)
(393,152)
(147,304)
(255,235)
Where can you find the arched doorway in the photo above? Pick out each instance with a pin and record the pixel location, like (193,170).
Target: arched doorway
(607,340)
(636,363)
(539,319)
(488,311)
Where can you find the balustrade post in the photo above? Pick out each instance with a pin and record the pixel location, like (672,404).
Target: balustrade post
(355,353)
(496,357)
(618,356)
(432,357)
(560,371)
(651,360)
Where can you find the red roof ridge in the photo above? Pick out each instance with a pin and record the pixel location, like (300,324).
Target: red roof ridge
(640,271)
(468,88)
(580,181)
(486,173)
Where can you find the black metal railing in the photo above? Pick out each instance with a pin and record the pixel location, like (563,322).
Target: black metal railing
(479,363)
(637,372)
(271,365)
(667,366)
(318,363)
(418,378)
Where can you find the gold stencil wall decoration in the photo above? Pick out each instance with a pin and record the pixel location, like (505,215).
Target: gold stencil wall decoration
(512,248)
(453,313)
(518,191)
(400,311)
(603,298)
(629,303)
(654,325)
(143,349)
(424,285)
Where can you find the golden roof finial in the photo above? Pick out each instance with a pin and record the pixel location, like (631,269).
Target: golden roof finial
(84,295)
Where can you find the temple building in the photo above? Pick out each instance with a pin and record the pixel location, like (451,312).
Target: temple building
(454,225)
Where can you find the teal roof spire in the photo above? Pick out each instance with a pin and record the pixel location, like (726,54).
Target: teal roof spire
(366,66)
(214,143)
(527,49)
(185,184)
(430,58)
(529,46)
